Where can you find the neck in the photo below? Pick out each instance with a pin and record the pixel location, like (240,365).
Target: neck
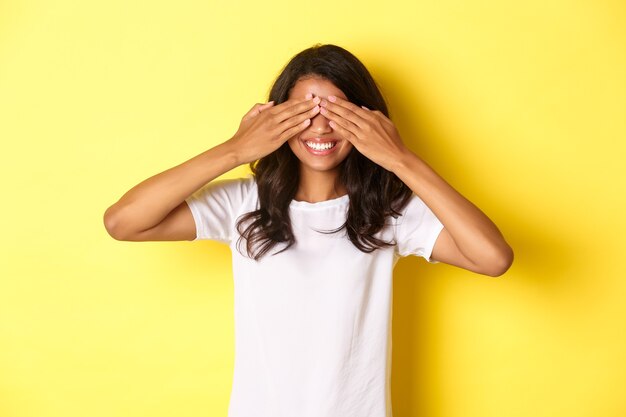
(316,186)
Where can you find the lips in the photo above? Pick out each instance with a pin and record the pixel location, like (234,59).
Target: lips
(320,146)
(320,140)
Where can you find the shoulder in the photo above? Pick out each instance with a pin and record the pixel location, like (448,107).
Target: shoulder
(231,186)
(246,187)
(415,218)
(413,208)
(241,192)
(233,192)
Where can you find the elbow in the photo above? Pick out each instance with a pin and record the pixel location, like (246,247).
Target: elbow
(500,262)
(111,224)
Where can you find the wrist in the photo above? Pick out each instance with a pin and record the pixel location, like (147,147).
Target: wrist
(229,153)
(403,160)
(225,154)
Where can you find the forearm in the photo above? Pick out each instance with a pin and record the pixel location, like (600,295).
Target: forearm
(149,202)
(474,234)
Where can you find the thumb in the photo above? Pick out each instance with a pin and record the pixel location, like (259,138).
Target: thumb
(256,109)
(266,106)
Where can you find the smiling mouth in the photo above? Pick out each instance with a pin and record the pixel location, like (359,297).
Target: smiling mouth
(320,146)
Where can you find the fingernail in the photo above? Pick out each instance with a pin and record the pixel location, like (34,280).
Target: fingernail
(364,107)
(309,96)
(316,100)
(323,103)
(307,121)
(332,98)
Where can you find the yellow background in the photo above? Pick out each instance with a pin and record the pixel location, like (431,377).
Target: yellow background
(521,106)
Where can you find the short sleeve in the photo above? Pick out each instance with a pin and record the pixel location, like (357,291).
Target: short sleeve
(216,206)
(417,230)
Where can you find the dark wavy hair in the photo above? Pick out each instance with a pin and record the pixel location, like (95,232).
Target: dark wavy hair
(374,193)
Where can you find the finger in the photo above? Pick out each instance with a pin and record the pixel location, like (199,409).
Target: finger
(343,132)
(377,115)
(289,133)
(341,125)
(287,104)
(345,103)
(340,120)
(266,106)
(298,118)
(256,109)
(297,108)
(262,107)
(347,110)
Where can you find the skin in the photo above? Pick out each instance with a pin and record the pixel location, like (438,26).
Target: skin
(318,174)
(155,209)
(469,239)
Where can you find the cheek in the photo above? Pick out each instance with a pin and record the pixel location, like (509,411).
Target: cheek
(295,138)
(347,147)
(293,145)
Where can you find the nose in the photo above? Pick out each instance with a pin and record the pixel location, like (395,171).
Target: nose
(319,124)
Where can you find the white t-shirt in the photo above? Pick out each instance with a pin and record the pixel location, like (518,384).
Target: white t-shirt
(313,323)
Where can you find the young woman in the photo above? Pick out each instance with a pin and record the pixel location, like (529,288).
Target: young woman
(335,199)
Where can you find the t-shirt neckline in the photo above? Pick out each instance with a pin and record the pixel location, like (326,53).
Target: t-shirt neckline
(326,203)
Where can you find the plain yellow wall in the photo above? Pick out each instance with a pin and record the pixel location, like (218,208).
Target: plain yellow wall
(520,105)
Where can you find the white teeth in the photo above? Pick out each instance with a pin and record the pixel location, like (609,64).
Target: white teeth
(320,146)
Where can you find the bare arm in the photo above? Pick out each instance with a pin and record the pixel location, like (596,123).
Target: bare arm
(469,239)
(155,209)
(148,203)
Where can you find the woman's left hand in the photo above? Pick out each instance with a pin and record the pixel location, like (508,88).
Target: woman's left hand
(370,131)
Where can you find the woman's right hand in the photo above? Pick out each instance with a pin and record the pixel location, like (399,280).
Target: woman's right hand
(266,127)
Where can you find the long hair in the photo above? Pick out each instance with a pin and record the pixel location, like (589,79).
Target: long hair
(374,193)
